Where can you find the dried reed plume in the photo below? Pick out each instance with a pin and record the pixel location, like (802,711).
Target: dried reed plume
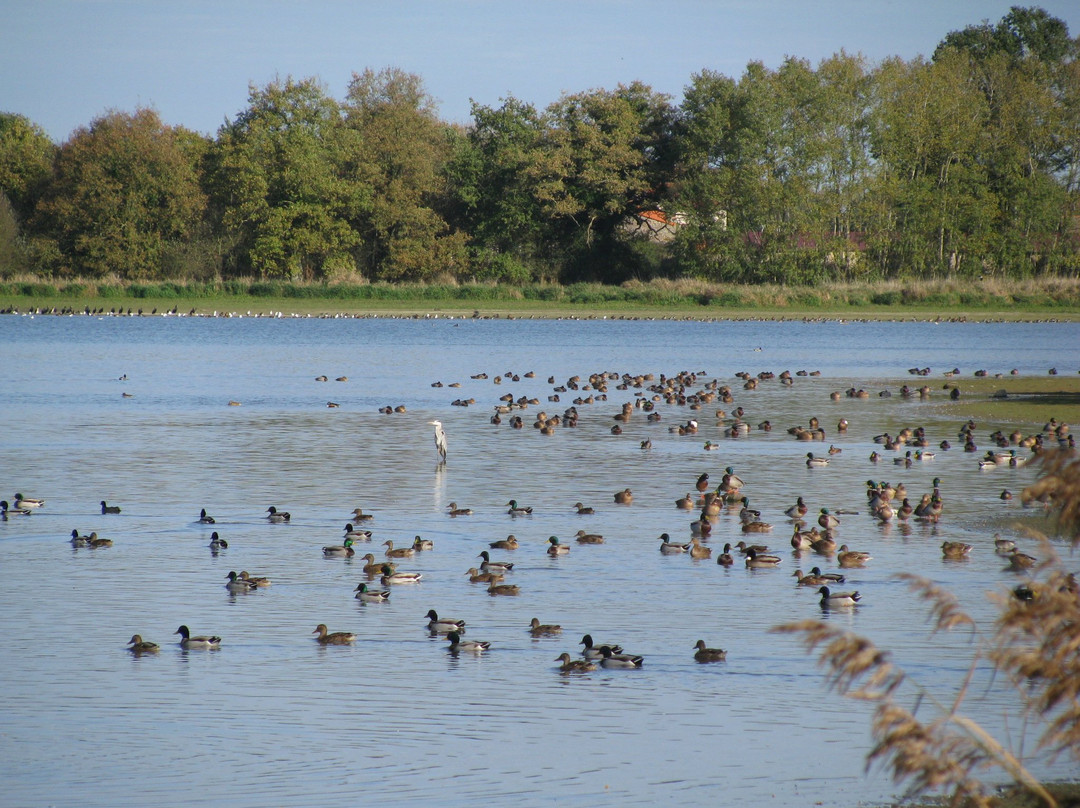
(1036,643)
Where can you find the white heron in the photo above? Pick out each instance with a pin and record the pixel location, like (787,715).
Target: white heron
(440,438)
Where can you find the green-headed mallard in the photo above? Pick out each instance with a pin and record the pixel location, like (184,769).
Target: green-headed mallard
(494,566)
(669,547)
(610,659)
(815,462)
(556,549)
(78,540)
(827,520)
(357,535)
(756,560)
(217,543)
(202,642)
(238,584)
(830,577)
(458,645)
(28,502)
(420,544)
(277,517)
(518,510)
(391,576)
(7,511)
(344,550)
(796,511)
(725,559)
(593,651)
(441,625)
(371,595)
(834,600)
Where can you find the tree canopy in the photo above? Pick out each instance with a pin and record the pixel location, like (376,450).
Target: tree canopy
(963,164)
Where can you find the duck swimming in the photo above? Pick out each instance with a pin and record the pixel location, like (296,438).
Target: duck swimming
(202,642)
(335,638)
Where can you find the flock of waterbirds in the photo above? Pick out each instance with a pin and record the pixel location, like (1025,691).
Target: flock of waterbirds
(884,503)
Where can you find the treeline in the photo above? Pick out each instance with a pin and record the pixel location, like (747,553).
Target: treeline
(966,164)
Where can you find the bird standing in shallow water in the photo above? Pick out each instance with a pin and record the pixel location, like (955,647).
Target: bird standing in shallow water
(440,439)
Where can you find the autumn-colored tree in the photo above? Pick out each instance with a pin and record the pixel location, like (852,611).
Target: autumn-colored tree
(126,188)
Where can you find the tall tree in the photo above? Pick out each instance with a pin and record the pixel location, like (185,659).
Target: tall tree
(405,148)
(283,179)
(126,189)
(26,157)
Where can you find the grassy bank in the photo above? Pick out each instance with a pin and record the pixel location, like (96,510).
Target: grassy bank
(1014,399)
(1052,298)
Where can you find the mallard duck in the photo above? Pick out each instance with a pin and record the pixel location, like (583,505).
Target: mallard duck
(588,538)
(81,541)
(237,584)
(96,542)
(509,543)
(441,625)
(1021,561)
(827,520)
(815,462)
(802,539)
(107,508)
(746,513)
(453,510)
(955,549)
(537,629)
(824,545)
(833,577)
(851,558)
(757,527)
(494,566)
(796,511)
(809,580)
(137,645)
(518,510)
(335,638)
(358,515)
(497,587)
(217,543)
(582,510)
(371,595)
(698,550)
(28,502)
(624,497)
(357,535)
(202,642)
(555,549)
(833,600)
(400,552)
(373,567)
(258,580)
(1001,546)
(704,654)
(725,559)
(730,481)
(277,517)
(745,548)
(756,560)
(391,576)
(205,518)
(458,645)
(686,503)
(611,659)
(6,510)
(669,547)
(574,665)
(344,550)
(422,544)
(478,577)
(593,651)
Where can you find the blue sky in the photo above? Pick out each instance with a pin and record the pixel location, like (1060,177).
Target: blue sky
(65,62)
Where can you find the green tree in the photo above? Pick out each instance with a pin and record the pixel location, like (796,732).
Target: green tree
(404,148)
(126,189)
(287,185)
(602,156)
(495,202)
(26,158)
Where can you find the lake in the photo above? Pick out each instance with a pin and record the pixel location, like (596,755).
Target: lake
(135,411)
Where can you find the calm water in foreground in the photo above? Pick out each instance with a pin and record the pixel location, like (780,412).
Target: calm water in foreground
(272,718)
